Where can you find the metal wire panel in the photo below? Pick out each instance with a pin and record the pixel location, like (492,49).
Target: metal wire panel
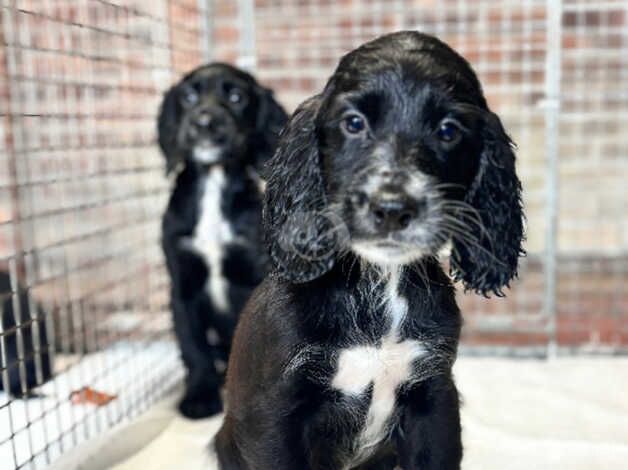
(298,44)
(556,74)
(82,187)
(82,190)
(592,299)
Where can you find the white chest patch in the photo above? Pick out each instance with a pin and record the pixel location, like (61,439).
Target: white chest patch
(211,234)
(387,366)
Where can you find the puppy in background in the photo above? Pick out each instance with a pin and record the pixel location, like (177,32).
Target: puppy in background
(217,127)
(34,348)
(342,358)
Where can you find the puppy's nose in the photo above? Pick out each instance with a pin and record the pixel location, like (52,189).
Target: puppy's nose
(203,119)
(393,213)
(210,123)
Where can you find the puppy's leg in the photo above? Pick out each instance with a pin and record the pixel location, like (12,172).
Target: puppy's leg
(226,451)
(244,447)
(192,313)
(429,437)
(202,394)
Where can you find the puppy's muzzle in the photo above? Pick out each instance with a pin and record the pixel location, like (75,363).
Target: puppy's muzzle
(209,123)
(392,211)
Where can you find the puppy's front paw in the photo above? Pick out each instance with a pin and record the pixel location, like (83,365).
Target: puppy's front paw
(196,406)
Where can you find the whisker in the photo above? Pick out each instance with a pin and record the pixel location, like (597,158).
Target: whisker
(483,249)
(448,186)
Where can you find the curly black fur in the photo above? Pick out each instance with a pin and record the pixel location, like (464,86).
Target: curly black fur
(296,193)
(496,195)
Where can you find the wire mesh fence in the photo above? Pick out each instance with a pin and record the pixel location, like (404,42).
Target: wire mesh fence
(82,190)
(82,187)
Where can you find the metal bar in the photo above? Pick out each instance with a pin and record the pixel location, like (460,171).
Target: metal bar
(10,118)
(552,117)
(247,49)
(205,9)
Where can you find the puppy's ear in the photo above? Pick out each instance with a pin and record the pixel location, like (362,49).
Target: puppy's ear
(271,118)
(490,261)
(299,235)
(168,128)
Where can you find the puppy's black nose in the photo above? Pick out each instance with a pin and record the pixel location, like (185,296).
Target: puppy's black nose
(210,122)
(203,119)
(393,213)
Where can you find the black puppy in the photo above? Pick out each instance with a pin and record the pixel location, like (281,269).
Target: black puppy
(28,363)
(342,358)
(217,127)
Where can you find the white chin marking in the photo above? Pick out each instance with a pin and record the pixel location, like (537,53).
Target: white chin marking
(386,255)
(204,154)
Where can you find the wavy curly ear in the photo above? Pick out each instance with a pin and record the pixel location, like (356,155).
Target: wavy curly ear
(167,129)
(489,265)
(271,118)
(299,235)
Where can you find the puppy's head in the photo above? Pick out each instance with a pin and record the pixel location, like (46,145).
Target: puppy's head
(399,155)
(218,114)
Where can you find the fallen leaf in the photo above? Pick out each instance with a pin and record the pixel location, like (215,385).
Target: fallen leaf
(89,395)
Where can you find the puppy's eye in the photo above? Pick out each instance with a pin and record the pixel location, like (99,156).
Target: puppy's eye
(449,132)
(235,96)
(190,97)
(354,124)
